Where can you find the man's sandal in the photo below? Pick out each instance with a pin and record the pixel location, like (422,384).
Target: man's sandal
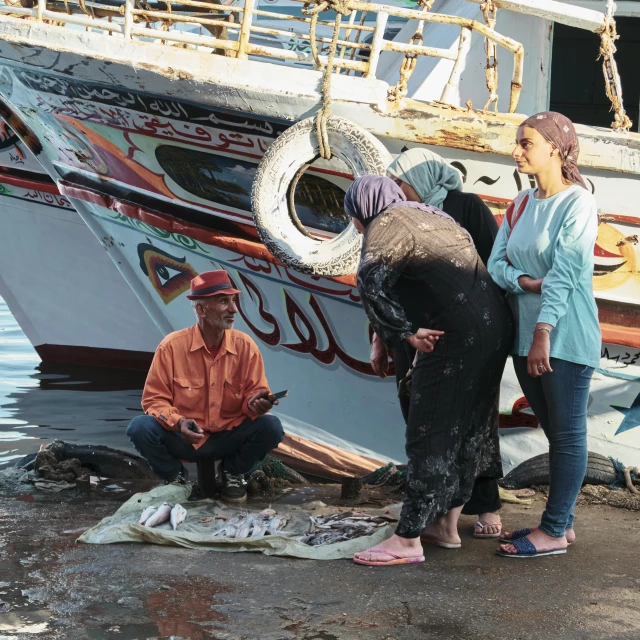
(397,559)
(526,549)
(482,527)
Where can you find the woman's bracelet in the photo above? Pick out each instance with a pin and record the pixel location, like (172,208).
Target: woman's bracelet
(543,329)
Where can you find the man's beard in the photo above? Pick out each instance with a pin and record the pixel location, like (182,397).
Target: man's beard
(220,323)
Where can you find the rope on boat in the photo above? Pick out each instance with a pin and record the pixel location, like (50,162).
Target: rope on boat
(341,7)
(410,59)
(608,35)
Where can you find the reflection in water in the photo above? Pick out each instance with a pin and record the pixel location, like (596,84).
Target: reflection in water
(40,403)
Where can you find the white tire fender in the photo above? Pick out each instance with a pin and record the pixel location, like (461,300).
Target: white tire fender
(295,148)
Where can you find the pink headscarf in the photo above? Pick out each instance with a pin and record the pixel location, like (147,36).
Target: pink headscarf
(560,132)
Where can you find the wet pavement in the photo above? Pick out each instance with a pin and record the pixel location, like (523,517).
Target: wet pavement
(51,587)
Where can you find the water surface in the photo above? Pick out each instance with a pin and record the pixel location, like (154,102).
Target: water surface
(41,403)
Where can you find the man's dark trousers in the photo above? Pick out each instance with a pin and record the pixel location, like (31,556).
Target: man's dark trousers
(240,448)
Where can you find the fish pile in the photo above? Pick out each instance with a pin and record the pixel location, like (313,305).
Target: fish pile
(251,525)
(342,526)
(155,516)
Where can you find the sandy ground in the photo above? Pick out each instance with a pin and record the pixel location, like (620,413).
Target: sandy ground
(56,588)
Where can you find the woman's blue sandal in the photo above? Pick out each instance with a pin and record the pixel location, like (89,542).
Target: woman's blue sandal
(526,549)
(519,533)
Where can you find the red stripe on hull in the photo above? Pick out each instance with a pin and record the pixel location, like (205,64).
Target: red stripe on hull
(162,221)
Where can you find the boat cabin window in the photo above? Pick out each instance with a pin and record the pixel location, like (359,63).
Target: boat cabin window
(227,181)
(577,81)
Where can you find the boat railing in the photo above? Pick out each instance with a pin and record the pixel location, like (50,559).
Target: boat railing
(234,31)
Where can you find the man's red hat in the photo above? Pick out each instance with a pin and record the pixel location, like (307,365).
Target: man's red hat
(211,283)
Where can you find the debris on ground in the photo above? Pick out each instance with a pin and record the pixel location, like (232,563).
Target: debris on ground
(339,527)
(391,476)
(516,497)
(93,459)
(599,494)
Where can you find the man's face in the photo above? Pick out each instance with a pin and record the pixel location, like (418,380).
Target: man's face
(219,311)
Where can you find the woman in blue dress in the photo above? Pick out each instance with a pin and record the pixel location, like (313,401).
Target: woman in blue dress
(543,258)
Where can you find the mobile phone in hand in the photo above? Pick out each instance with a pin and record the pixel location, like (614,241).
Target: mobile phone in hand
(193,426)
(276,396)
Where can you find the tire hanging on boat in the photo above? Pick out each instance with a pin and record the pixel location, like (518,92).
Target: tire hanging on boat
(276,221)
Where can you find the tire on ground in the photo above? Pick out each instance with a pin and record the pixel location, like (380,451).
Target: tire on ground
(600,470)
(357,148)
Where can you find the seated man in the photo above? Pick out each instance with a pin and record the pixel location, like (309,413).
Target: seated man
(206,394)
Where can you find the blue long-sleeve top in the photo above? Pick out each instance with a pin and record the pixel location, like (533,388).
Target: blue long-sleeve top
(553,239)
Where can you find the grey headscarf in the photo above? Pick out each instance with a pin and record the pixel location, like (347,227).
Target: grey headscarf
(427,173)
(369,196)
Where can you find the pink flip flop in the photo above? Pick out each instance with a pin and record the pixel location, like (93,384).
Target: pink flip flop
(487,535)
(398,559)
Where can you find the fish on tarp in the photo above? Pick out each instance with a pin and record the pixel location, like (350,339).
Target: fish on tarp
(342,526)
(146,514)
(161,516)
(178,514)
(251,525)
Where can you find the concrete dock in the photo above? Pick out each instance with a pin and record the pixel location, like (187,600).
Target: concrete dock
(51,587)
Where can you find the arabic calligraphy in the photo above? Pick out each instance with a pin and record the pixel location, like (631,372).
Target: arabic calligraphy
(154,126)
(139,102)
(308,339)
(52,199)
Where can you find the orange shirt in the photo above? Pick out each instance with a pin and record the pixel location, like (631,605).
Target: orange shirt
(187,381)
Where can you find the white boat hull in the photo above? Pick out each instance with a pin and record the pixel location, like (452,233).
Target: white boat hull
(63,289)
(103,144)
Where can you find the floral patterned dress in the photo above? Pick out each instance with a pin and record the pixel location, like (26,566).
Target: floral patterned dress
(422,271)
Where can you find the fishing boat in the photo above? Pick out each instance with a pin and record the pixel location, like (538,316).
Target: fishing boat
(188,138)
(57,280)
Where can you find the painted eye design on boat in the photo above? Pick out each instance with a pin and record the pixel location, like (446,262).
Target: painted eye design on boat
(170,276)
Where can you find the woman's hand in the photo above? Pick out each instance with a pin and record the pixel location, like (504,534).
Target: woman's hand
(379,357)
(532,285)
(424,339)
(538,358)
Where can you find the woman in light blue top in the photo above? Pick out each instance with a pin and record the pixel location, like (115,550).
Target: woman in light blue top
(543,258)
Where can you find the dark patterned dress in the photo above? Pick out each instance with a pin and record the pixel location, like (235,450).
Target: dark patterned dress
(421,270)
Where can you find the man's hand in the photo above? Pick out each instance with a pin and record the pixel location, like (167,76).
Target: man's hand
(538,359)
(192,437)
(532,285)
(259,404)
(379,357)
(424,339)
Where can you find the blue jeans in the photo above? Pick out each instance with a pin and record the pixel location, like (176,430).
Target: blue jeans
(559,401)
(240,448)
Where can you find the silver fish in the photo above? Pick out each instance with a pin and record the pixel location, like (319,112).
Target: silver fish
(276,524)
(146,514)
(178,514)
(229,528)
(161,516)
(245,527)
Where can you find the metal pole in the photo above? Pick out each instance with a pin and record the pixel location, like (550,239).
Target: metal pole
(376,44)
(245,31)
(128,18)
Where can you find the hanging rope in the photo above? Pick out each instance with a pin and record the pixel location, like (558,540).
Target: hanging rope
(410,59)
(613,86)
(341,7)
(489,12)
